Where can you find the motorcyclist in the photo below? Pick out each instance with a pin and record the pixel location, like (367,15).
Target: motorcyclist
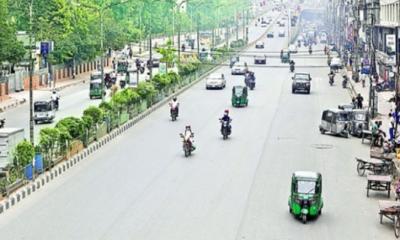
(331,76)
(310,49)
(174,105)
(188,136)
(344,76)
(55,98)
(292,63)
(226,118)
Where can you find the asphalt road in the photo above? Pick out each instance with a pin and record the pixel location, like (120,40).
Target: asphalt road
(141,186)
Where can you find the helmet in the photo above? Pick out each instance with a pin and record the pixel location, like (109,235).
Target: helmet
(54,92)
(174,98)
(226,111)
(187,127)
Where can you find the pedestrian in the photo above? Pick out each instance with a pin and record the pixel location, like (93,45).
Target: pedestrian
(360,100)
(130,53)
(113,63)
(353,102)
(351,62)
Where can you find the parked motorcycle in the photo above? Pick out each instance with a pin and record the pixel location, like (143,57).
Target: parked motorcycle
(385,86)
(2,122)
(226,129)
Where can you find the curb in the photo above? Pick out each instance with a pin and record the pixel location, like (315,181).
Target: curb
(14,104)
(62,167)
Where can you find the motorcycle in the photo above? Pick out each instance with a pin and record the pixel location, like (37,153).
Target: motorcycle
(344,82)
(310,51)
(226,128)
(56,103)
(250,81)
(291,67)
(331,79)
(384,86)
(174,113)
(2,122)
(187,146)
(298,44)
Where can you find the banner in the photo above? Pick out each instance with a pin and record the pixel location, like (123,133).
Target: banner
(390,44)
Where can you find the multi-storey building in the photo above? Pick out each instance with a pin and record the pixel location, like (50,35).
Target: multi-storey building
(386,37)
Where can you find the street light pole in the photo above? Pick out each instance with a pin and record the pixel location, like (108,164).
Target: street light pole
(31,66)
(102,50)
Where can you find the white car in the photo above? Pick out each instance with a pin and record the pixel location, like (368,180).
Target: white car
(239,68)
(215,81)
(281,33)
(264,25)
(259,44)
(270,34)
(336,63)
(293,48)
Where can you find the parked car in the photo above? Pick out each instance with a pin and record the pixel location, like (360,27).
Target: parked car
(282,24)
(301,82)
(336,122)
(264,25)
(216,80)
(293,48)
(259,59)
(270,34)
(281,33)
(259,44)
(239,68)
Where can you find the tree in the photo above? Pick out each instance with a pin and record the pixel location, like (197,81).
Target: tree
(11,50)
(24,153)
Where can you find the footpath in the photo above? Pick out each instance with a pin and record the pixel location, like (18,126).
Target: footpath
(384,105)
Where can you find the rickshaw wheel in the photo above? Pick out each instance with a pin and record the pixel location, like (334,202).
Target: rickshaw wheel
(396,226)
(360,168)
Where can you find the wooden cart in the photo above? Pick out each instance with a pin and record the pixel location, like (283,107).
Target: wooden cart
(376,166)
(379,183)
(391,211)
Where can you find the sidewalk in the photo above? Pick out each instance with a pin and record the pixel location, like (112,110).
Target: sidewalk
(384,106)
(17,98)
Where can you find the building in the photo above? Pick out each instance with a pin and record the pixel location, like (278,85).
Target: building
(386,38)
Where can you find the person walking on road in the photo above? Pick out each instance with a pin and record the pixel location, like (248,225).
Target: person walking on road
(360,100)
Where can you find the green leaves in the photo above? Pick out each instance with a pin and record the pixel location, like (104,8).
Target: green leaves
(24,153)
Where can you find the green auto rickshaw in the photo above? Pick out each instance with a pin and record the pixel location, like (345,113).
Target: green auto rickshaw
(305,200)
(239,96)
(96,89)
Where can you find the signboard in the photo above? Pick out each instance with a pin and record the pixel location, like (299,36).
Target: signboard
(162,69)
(391,44)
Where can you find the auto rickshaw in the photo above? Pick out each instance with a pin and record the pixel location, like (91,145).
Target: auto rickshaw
(44,111)
(122,66)
(95,75)
(336,122)
(96,89)
(285,57)
(359,122)
(239,96)
(305,198)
